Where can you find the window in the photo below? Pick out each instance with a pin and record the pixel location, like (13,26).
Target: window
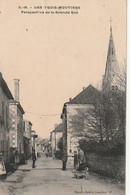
(114,88)
(70,151)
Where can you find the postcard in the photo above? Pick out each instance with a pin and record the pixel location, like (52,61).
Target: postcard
(63,97)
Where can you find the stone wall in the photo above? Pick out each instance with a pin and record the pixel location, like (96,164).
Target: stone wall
(111,166)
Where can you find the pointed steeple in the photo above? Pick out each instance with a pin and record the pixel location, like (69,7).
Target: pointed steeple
(111,64)
(111,55)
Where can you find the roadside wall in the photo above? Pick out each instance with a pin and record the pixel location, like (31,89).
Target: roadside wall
(112,166)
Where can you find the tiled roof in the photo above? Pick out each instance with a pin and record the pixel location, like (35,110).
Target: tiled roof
(59,128)
(5,88)
(87,96)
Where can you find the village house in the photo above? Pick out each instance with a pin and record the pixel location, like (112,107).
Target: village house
(55,136)
(5,96)
(27,139)
(16,125)
(44,143)
(34,140)
(73,116)
(39,147)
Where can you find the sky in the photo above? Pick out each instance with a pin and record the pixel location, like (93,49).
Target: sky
(55,56)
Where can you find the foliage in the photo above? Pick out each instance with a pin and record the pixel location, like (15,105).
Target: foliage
(59,153)
(103,123)
(106,148)
(60,144)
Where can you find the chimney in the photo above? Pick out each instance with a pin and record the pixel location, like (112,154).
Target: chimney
(16,89)
(70,99)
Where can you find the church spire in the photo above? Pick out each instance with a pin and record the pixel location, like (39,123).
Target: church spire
(110,24)
(111,55)
(111,63)
(111,37)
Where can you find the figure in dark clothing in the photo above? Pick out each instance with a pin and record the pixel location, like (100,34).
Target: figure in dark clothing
(23,158)
(54,152)
(81,160)
(64,160)
(46,153)
(64,164)
(16,157)
(75,159)
(33,158)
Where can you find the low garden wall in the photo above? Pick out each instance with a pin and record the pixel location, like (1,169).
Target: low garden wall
(111,166)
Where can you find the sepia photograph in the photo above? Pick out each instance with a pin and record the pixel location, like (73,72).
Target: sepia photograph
(63,97)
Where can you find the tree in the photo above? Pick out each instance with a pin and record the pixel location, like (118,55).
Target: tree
(60,144)
(103,121)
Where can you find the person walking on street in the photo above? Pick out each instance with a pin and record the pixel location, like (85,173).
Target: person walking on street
(46,152)
(33,158)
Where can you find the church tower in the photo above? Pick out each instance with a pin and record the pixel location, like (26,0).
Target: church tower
(112,69)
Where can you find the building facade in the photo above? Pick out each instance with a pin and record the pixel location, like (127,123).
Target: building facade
(5,96)
(75,116)
(27,139)
(16,124)
(55,136)
(16,127)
